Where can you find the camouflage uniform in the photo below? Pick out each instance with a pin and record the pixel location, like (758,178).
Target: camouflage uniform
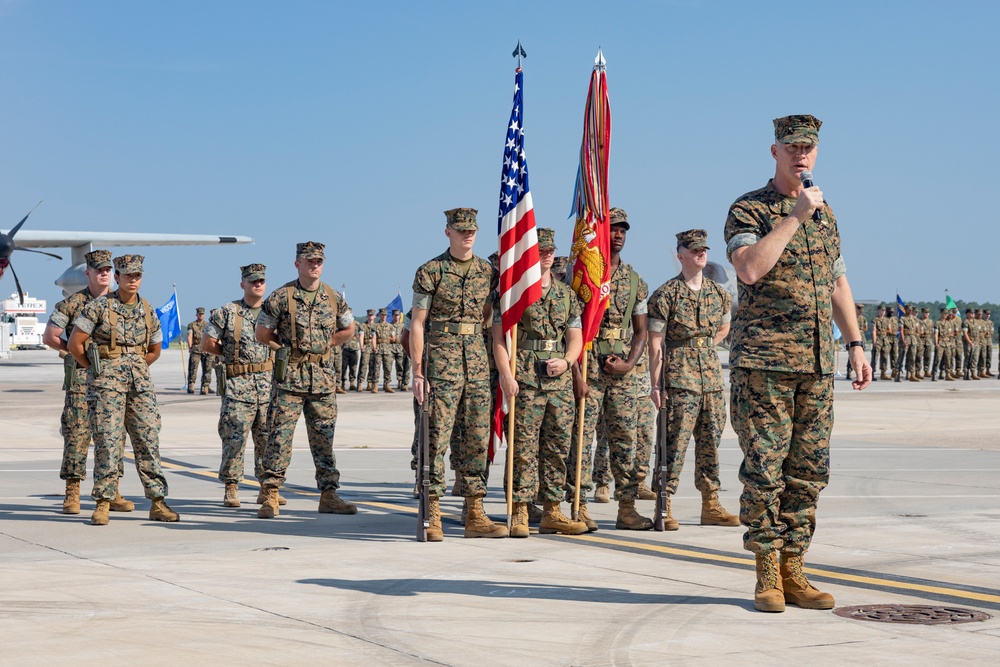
(385,334)
(366,373)
(457,367)
(926,343)
(613,397)
(310,384)
(644,434)
(970,342)
(911,342)
(349,363)
(884,336)
(545,407)
(692,375)
(396,350)
(782,365)
(196,358)
(988,332)
(122,398)
(248,387)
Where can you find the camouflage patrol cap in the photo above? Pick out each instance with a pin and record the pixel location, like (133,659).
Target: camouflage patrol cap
(802,129)
(925,310)
(98,259)
(199,311)
(310,250)
(546,238)
(462,219)
(560,264)
(693,239)
(620,217)
(396,311)
(252,272)
(381,311)
(371,311)
(858,306)
(129,264)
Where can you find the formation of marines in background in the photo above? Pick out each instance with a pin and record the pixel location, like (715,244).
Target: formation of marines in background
(293,351)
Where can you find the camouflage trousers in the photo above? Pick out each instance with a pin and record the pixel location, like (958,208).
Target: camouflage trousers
(783,421)
(463,409)
(612,399)
(885,358)
(971,357)
(237,421)
(321,420)
(913,354)
(702,415)
(644,436)
(338,362)
(195,361)
(364,370)
(987,357)
(349,367)
(927,356)
(383,362)
(75,429)
(398,360)
(543,434)
(112,415)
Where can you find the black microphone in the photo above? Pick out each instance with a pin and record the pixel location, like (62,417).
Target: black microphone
(807,181)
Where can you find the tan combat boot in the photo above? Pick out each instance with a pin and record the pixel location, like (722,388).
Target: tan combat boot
(160,512)
(629,519)
(519,521)
(584,516)
(602,494)
(534,514)
(912,377)
(768,596)
(262,497)
(100,515)
(798,590)
(232,496)
(714,514)
(477,524)
(669,522)
(341,390)
(645,493)
(331,503)
(354,386)
(268,508)
(554,521)
(71,503)
(373,388)
(884,376)
(465,511)
(948,377)
(120,503)
(387,389)
(434,532)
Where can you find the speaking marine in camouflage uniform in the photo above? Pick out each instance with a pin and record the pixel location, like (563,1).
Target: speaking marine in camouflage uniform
(230,333)
(305,318)
(792,285)
(450,304)
(197,359)
(688,316)
(549,341)
(125,338)
(609,386)
(75,426)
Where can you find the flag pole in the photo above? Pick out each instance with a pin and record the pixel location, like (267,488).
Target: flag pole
(510,431)
(177,308)
(581,409)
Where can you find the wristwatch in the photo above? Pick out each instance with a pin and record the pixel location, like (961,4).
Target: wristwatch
(856,343)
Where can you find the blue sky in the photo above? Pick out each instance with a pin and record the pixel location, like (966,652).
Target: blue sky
(357,124)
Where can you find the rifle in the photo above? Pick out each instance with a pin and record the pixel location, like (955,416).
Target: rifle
(424,464)
(662,498)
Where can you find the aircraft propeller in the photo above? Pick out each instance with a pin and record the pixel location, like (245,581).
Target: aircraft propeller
(7,247)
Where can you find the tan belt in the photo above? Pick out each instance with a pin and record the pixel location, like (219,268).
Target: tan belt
(540,345)
(232,370)
(297,357)
(611,334)
(105,352)
(641,368)
(699,341)
(459,328)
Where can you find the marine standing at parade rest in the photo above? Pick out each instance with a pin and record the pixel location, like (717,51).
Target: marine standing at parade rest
(385,336)
(450,304)
(609,386)
(910,342)
(549,341)
(231,334)
(196,358)
(308,317)
(792,286)
(688,316)
(75,422)
(366,372)
(925,334)
(121,398)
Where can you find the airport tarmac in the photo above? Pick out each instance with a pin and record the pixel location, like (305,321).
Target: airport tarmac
(911,517)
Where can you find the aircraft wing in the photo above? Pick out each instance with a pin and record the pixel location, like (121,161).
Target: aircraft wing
(45,239)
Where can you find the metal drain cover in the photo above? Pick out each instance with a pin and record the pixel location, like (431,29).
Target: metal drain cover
(913,614)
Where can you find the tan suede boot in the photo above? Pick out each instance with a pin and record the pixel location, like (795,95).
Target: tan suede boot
(71,503)
(374,388)
(100,515)
(912,377)
(269,506)
(120,503)
(160,512)
(554,521)
(232,496)
(477,524)
(331,503)
(768,596)
(519,521)
(645,493)
(629,519)
(884,376)
(341,390)
(602,494)
(434,532)
(262,497)
(714,514)
(669,522)
(387,389)
(584,516)
(798,590)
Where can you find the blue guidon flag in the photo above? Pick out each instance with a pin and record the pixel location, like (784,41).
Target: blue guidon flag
(170,321)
